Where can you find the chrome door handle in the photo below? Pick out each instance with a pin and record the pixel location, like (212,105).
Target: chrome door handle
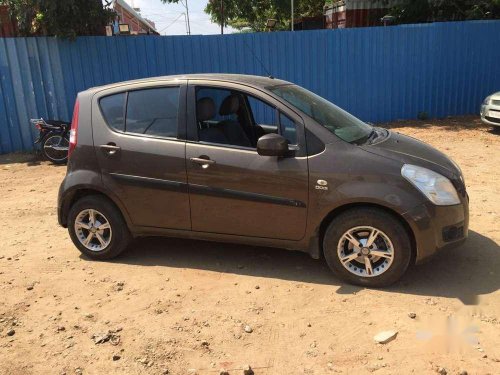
(111,149)
(203,162)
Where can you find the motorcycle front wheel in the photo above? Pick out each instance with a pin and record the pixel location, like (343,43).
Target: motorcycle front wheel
(55,148)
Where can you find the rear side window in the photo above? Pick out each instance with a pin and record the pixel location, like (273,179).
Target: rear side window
(150,111)
(112,108)
(153,112)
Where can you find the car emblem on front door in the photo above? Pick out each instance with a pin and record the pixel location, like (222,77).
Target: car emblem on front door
(321,185)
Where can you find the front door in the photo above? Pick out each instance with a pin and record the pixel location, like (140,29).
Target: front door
(233,190)
(140,155)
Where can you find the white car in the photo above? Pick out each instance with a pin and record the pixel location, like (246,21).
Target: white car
(490,110)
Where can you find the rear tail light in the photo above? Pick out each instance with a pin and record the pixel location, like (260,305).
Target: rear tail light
(73,133)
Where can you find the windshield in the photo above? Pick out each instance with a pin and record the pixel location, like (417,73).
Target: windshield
(335,119)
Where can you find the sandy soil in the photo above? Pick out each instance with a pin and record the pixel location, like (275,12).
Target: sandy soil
(181,307)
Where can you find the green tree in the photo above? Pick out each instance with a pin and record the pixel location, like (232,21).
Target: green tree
(416,11)
(68,18)
(254,14)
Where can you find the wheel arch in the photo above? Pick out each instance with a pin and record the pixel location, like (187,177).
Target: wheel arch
(78,193)
(346,207)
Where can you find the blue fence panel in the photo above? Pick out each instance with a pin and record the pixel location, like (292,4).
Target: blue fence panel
(379,74)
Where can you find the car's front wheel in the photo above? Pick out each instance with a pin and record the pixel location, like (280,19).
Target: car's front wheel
(368,247)
(97,228)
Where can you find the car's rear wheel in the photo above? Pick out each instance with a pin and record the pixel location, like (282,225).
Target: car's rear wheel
(367,246)
(97,228)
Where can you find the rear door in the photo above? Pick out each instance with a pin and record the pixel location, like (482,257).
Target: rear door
(138,141)
(237,191)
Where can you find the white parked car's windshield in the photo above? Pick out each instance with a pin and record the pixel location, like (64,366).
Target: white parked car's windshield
(335,119)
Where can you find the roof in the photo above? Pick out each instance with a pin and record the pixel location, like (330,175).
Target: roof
(132,11)
(250,80)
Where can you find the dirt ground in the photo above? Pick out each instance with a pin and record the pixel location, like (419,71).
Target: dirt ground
(181,307)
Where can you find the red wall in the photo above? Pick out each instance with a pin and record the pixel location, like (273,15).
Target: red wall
(126,17)
(354,18)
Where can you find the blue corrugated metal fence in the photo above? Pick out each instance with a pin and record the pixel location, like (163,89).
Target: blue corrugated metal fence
(379,74)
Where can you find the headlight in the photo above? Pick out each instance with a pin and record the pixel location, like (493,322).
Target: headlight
(487,100)
(437,188)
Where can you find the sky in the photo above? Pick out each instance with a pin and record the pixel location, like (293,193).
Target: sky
(169,19)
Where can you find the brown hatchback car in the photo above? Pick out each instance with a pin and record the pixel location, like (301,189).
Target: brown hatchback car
(260,161)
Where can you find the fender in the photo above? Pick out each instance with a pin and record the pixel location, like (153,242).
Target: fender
(72,187)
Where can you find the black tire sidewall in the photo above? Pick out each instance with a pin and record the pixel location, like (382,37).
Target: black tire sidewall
(120,238)
(381,220)
(42,143)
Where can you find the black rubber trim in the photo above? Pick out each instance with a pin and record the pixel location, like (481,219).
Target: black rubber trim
(492,119)
(205,190)
(243,195)
(155,183)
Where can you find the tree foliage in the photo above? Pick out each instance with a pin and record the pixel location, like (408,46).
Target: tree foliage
(416,11)
(68,18)
(254,14)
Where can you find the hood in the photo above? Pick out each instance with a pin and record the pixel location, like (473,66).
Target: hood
(495,96)
(409,150)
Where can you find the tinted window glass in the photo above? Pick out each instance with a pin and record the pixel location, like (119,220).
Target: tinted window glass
(263,114)
(288,129)
(221,117)
(218,96)
(112,110)
(153,112)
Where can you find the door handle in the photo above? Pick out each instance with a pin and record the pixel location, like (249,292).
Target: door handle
(205,162)
(110,148)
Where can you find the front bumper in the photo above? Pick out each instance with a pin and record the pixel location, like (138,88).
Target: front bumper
(487,111)
(438,227)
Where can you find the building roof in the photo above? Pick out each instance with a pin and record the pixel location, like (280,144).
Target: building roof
(132,11)
(362,4)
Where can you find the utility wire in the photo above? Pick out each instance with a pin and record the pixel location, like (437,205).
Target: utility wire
(171,23)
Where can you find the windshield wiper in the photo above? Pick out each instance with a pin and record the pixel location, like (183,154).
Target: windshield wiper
(366,138)
(372,136)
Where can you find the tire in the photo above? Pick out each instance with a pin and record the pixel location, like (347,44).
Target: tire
(115,239)
(56,157)
(392,244)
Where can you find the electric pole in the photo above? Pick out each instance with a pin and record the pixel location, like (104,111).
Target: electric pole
(222,17)
(187,13)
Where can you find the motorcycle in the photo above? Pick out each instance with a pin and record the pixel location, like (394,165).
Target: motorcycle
(53,139)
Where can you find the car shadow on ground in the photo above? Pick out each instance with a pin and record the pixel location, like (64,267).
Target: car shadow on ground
(31,159)
(464,273)
(494,130)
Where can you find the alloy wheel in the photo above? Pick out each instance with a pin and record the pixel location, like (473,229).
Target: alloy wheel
(365,251)
(93,230)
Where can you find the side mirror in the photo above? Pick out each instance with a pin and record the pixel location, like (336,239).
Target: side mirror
(272,145)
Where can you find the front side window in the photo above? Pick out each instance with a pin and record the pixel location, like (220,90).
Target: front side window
(234,118)
(153,112)
(344,125)
(288,129)
(264,115)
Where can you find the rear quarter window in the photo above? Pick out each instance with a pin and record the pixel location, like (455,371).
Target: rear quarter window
(113,109)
